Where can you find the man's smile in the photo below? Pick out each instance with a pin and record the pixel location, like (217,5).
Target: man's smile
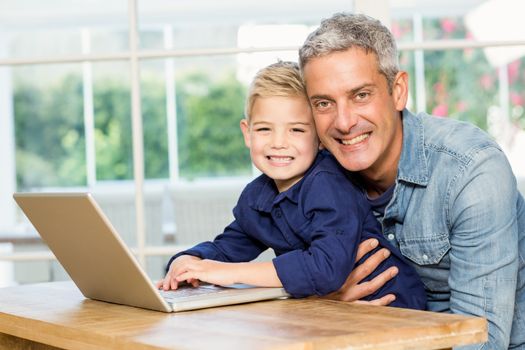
(354,140)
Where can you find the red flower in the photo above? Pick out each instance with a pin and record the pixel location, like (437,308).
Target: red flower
(440,110)
(516,99)
(486,81)
(396,30)
(448,25)
(513,69)
(461,106)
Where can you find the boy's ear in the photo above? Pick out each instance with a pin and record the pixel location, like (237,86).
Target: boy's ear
(245,128)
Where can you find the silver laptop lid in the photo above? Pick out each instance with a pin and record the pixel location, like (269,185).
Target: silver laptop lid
(89,248)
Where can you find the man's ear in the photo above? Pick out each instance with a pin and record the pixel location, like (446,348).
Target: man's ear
(245,128)
(400,90)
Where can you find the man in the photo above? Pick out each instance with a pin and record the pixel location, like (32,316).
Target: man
(443,190)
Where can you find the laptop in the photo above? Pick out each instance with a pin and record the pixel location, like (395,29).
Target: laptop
(103,268)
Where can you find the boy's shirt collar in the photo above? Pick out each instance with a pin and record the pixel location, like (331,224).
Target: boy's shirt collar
(269,196)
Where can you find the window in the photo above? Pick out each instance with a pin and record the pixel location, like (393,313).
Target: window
(70,74)
(68,99)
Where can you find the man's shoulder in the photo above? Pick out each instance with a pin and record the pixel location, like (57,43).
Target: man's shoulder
(456,138)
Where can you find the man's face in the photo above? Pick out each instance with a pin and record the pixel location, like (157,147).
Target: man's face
(357,118)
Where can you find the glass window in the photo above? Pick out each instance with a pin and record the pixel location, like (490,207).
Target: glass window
(479,85)
(49,126)
(39,29)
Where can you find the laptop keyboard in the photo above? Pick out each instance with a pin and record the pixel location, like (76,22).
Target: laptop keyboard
(187,291)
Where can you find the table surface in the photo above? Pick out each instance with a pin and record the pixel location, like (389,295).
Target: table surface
(58,315)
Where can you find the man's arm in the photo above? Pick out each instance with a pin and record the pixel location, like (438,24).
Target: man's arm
(484,243)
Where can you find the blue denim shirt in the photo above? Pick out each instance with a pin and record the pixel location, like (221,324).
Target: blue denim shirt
(314,228)
(455,214)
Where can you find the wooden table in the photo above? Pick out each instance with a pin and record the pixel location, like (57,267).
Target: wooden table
(55,315)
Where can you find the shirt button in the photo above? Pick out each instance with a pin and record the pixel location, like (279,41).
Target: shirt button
(278,213)
(391,236)
(425,257)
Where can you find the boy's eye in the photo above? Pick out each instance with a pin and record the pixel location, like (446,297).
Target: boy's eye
(297,130)
(262,129)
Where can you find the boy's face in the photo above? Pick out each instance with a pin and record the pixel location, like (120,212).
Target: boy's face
(281,137)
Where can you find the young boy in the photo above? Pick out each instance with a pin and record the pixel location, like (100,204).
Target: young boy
(303,207)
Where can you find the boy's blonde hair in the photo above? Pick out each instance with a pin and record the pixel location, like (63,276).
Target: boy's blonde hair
(278,79)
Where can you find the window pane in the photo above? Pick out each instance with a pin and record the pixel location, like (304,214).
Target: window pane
(155,119)
(112,116)
(210,104)
(444,28)
(515,128)
(214,24)
(34,28)
(402,29)
(461,84)
(49,126)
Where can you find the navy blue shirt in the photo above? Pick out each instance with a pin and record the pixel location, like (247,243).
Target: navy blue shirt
(314,228)
(379,204)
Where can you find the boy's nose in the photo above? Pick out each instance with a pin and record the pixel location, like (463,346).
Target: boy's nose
(279,140)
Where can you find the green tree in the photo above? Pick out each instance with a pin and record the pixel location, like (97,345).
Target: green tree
(210,141)
(49,134)
(50,137)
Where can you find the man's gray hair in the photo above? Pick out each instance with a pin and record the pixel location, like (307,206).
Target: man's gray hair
(343,31)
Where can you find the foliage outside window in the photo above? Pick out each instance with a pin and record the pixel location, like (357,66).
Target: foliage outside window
(50,130)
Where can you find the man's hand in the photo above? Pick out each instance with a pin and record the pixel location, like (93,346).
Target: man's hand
(353,290)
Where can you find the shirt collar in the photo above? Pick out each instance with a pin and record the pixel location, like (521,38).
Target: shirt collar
(413,162)
(269,196)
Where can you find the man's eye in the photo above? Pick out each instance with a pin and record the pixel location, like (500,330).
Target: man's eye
(362,96)
(322,104)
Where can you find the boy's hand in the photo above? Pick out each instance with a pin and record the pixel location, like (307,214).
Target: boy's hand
(176,268)
(214,272)
(353,290)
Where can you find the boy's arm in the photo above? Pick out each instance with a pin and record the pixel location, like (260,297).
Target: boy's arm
(260,274)
(169,281)
(334,210)
(233,245)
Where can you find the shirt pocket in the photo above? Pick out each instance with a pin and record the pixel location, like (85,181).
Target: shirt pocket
(429,257)
(429,249)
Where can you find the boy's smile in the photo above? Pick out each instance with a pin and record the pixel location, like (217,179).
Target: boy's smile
(281,137)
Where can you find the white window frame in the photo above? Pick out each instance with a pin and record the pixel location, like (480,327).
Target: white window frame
(378,9)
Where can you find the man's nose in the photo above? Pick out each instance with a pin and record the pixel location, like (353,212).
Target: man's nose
(345,119)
